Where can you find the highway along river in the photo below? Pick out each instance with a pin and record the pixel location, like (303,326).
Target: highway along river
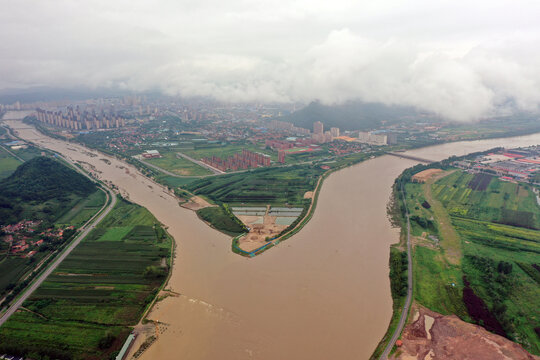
(322,294)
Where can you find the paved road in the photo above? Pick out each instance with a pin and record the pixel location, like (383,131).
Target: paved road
(200,163)
(407,305)
(12,154)
(167,172)
(85,230)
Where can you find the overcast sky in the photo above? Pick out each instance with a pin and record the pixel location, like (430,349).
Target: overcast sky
(460,59)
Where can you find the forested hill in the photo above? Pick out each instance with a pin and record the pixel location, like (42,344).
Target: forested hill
(42,178)
(36,182)
(352,115)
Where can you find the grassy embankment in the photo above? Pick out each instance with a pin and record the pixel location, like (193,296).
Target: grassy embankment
(398,268)
(477,241)
(220,218)
(86,308)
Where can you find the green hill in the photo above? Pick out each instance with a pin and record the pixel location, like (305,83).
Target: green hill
(41,188)
(352,115)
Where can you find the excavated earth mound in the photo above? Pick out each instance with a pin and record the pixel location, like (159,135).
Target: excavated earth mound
(433,336)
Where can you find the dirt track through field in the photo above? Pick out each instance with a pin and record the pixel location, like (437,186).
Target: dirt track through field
(450,240)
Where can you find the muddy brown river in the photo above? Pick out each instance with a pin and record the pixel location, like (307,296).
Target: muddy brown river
(322,294)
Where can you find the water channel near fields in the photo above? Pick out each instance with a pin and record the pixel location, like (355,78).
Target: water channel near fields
(322,294)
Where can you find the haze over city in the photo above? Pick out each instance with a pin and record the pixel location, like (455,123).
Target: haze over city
(462,60)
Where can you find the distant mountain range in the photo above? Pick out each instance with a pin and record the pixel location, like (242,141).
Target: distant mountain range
(354,115)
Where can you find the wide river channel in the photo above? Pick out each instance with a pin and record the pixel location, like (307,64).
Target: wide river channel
(322,294)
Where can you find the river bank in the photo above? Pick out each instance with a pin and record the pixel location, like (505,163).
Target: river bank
(324,294)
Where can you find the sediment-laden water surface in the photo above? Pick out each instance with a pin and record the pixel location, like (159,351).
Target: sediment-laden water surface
(322,294)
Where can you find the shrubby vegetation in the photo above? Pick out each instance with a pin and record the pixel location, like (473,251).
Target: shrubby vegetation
(221,218)
(398,273)
(41,188)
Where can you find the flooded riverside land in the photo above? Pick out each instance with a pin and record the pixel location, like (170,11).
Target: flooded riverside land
(324,293)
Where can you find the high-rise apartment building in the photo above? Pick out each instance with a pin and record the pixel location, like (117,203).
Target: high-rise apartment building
(318,127)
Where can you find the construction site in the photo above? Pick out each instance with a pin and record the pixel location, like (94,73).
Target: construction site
(265,223)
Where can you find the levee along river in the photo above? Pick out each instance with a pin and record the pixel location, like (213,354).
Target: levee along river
(322,294)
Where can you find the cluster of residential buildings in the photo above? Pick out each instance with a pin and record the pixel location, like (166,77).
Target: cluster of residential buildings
(288,143)
(283,125)
(22,240)
(18,237)
(244,160)
(372,138)
(321,136)
(76,119)
(25,225)
(509,164)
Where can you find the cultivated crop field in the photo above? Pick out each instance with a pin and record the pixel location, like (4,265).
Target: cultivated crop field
(172,162)
(277,186)
(83,210)
(497,280)
(224,151)
(84,310)
(8,163)
(493,200)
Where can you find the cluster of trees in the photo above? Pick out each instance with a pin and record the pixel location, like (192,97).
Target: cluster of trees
(35,352)
(42,179)
(398,273)
(154,272)
(423,222)
(222,219)
(497,284)
(38,181)
(228,211)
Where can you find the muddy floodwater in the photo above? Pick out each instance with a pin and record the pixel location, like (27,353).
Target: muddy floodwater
(322,294)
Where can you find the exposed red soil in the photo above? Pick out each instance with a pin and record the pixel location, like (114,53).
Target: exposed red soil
(451,338)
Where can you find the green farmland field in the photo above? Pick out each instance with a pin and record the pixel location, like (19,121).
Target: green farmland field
(503,202)
(497,224)
(86,308)
(172,162)
(83,210)
(285,185)
(8,163)
(226,151)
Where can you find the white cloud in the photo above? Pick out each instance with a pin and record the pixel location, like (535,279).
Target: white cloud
(460,59)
